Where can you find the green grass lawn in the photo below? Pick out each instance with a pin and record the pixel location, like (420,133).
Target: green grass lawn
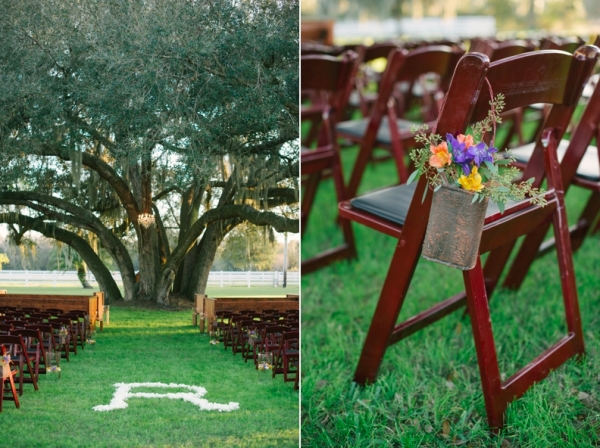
(429,391)
(229,291)
(153,346)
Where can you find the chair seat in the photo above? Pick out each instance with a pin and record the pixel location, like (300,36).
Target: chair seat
(589,168)
(358,128)
(392,203)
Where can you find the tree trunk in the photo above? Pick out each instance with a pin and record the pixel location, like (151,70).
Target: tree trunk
(207,250)
(82,274)
(186,270)
(149,262)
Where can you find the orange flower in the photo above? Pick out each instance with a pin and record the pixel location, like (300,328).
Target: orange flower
(473,182)
(466,139)
(441,156)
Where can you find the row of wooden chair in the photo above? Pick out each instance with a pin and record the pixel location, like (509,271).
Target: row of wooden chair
(29,335)
(251,333)
(556,78)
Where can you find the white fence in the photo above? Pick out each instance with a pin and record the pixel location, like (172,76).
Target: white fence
(425,28)
(215,278)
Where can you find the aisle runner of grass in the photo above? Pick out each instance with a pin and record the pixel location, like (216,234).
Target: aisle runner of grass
(153,346)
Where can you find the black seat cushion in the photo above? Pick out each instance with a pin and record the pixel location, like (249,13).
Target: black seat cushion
(392,203)
(589,168)
(357,128)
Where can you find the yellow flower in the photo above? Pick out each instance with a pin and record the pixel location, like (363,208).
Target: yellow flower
(472,182)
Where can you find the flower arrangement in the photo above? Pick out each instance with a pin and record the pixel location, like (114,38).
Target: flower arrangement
(253,334)
(90,341)
(54,369)
(63,332)
(264,366)
(5,366)
(466,162)
(214,341)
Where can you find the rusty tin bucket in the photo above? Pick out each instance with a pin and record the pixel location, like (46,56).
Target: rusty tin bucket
(454,228)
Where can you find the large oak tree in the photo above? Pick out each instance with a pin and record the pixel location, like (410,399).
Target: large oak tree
(185,110)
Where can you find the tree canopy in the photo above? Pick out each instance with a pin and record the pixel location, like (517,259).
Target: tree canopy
(183,110)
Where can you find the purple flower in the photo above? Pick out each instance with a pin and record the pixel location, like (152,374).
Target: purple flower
(481,153)
(460,154)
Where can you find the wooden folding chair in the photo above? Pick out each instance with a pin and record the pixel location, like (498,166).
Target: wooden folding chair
(550,77)
(73,338)
(383,129)
(8,384)
(21,359)
(46,333)
(361,98)
(331,79)
(35,349)
(287,356)
(568,44)
(502,50)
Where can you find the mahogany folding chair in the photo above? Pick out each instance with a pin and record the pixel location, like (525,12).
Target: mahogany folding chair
(46,333)
(568,44)
(8,384)
(580,166)
(241,338)
(21,359)
(362,98)
(502,50)
(78,319)
(232,330)
(61,343)
(383,129)
(331,78)
(35,348)
(253,339)
(73,338)
(550,77)
(269,342)
(286,357)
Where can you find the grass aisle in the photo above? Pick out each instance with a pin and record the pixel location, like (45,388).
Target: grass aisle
(153,346)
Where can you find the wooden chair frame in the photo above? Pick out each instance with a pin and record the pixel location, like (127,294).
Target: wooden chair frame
(21,359)
(534,244)
(332,78)
(402,66)
(10,386)
(466,102)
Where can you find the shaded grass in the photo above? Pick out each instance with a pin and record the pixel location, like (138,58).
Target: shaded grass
(153,346)
(429,391)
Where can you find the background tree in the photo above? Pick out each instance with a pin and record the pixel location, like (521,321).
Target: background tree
(249,248)
(186,111)
(3,259)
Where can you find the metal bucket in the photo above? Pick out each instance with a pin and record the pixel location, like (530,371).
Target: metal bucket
(454,228)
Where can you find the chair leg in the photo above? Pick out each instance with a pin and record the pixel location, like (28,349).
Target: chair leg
(11,388)
(497,396)
(387,311)
(310,190)
(481,324)
(364,155)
